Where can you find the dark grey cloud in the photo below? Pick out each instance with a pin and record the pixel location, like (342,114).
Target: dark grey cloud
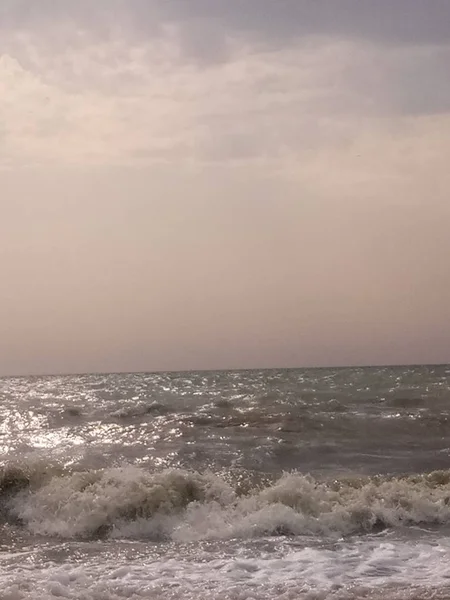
(400,81)
(420,85)
(397,21)
(390,21)
(415,83)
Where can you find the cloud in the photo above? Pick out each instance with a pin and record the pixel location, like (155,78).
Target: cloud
(404,21)
(116,84)
(286,177)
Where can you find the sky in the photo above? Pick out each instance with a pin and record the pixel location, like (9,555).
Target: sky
(204,184)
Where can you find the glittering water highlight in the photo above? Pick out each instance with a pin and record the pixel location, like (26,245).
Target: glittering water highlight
(328,483)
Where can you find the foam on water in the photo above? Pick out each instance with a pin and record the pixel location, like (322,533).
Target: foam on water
(371,569)
(205,511)
(186,506)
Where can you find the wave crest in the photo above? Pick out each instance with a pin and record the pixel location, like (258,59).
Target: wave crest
(188,506)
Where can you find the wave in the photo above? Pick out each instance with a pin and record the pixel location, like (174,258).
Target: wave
(131,502)
(141,410)
(334,419)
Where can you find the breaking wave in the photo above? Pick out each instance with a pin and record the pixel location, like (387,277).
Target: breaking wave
(130,502)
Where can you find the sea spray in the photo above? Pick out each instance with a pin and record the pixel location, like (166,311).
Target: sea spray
(186,505)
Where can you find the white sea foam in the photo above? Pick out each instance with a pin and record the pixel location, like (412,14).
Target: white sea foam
(187,506)
(370,569)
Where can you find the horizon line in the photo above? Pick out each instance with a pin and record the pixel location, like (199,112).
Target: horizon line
(224,370)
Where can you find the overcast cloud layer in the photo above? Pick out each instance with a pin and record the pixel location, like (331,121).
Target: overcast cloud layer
(205,184)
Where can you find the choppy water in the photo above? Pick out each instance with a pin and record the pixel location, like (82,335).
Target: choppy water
(254,484)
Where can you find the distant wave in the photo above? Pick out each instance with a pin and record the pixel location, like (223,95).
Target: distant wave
(180,505)
(140,410)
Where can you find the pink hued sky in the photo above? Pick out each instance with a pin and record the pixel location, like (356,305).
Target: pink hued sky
(202,185)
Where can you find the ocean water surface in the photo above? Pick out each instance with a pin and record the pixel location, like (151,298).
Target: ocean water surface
(325,483)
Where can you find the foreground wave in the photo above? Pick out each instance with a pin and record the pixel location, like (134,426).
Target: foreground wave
(131,502)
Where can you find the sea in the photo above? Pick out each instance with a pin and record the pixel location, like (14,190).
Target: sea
(232,485)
